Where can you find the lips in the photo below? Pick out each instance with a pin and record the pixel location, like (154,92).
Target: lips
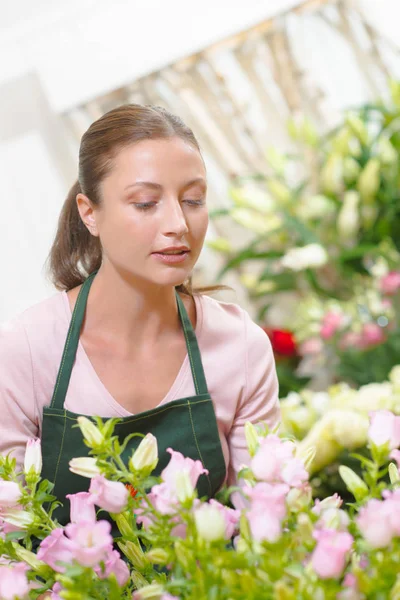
(173,250)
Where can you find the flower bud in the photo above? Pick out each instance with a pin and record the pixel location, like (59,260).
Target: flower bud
(184,488)
(351,169)
(31,559)
(358,127)
(210,523)
(299,498)
(123,524)
(19,518)
(134,552)
(84,466)
(348,221)
(91,434)
(386,152)
(33,457)
(157,556)
(331,174)
(252,438)
(353,482)
(145,458)
(393,474)
(369,180)
(153,591)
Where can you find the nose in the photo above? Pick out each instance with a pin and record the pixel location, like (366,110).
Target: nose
(174,220)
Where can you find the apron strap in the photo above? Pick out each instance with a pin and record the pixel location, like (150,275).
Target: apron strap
(71,346)
(196,365)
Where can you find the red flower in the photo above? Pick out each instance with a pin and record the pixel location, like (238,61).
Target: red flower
(282,341)
(131,489)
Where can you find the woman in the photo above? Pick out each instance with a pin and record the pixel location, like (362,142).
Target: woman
(130,340)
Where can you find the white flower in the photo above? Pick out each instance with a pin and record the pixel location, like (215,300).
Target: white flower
(210,523)
(33,457)
(315,207)
(85,466)
(394,375)
(310,256)
(90,432)
(145,457)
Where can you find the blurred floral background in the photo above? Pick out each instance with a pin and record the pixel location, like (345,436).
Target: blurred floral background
(296,105)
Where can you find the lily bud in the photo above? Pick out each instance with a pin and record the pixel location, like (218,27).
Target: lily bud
(351,169)
(145,458)
(84,466)
(252,438)
(331,174)
(348,221)
(353,482)
(358,127)
(33,457)
(369,180)
(92,435)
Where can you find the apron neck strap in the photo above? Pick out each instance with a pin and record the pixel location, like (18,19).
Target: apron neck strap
(71,346)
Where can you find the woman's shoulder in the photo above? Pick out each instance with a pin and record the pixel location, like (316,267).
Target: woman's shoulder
(227,322)
(39,325)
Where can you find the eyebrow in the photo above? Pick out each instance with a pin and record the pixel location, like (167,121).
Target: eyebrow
(158,186)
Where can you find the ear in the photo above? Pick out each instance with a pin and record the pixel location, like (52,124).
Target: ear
(87,213)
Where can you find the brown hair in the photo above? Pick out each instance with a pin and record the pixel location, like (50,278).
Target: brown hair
(76,253)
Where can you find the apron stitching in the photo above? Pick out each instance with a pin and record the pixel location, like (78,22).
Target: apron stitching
(197,445)
(133,420)
(191,360)
(61,449)
(66,350)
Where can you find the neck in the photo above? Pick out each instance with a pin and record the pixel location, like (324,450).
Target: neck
(130,312)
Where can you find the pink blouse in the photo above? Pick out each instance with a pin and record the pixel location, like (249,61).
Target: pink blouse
(237,359)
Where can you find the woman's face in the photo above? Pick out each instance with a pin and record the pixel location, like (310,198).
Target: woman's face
(153,218)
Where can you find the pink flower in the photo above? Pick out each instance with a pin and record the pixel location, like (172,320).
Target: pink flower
(371,335)
(350,339)
(92,542)
(81,508)
(311,346)
(54,591)
(168,597)
(55,549)
(320,506)
(109,495)
(274,462)
(230,515)
(10,494)
(331,323)
(384,429)
(270,457)
(179,463)
(390,283)
(267,510)
(13,581)
(294,473)
(329,556)
(114,564)
(374,523)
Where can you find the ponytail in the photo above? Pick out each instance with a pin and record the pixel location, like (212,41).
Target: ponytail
(75,253)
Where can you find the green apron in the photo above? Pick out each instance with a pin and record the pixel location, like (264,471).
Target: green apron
(187,425)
